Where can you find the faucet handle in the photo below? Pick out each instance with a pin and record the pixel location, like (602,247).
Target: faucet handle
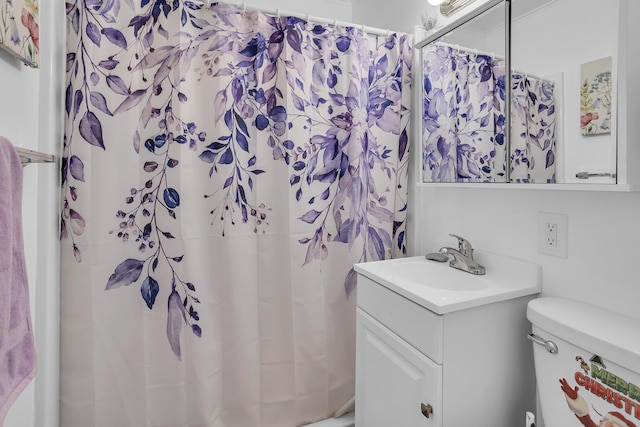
(463,245)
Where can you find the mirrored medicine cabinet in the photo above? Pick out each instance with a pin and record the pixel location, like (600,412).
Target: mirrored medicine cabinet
(523,92)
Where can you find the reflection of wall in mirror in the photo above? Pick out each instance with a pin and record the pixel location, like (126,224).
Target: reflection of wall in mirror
(446,20)
(557,39)
(484,33)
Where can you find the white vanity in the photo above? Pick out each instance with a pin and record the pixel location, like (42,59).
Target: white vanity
(440,347)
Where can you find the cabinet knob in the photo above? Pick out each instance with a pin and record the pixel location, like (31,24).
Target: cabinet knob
(426,409)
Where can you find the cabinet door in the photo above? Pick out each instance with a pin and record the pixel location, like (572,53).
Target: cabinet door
(393,379)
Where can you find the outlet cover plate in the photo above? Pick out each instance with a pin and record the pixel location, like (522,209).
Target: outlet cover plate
(560,249)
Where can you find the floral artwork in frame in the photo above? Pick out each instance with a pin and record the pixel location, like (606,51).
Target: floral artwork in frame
(19,29)
(595,97)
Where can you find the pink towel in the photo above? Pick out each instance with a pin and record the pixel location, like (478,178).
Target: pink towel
(17,349)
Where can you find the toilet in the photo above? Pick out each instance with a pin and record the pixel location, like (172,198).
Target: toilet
(587,364)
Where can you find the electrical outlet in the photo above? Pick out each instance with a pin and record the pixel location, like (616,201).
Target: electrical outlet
(552,234)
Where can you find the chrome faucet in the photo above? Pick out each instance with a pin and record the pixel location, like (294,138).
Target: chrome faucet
(463,257)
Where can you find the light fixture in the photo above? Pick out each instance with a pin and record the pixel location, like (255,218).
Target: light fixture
(435,2)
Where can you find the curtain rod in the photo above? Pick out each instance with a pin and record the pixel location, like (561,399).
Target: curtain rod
(30,156)
(493,55)
(306,17)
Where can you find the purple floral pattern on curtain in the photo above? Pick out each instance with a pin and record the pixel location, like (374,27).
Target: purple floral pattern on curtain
(463,121)
(278,76)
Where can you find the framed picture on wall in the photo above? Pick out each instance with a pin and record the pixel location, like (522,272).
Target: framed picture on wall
(19,30)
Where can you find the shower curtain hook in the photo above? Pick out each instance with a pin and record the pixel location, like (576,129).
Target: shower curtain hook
(244,7)
(308,20)
(278,13)
(388,33)
(335,24)
(362,28)
(476,53)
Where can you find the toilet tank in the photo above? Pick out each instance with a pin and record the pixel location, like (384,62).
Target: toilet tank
(597,362)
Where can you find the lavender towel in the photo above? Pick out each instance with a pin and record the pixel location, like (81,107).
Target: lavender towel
(17,349)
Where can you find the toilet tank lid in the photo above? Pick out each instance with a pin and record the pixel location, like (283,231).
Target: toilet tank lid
(610,335)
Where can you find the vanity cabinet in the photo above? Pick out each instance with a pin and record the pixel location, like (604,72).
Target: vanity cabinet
(396,383)
(415,367)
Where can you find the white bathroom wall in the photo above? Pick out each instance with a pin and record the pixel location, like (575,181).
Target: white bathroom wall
(602,231)
(395,15)
(603,227)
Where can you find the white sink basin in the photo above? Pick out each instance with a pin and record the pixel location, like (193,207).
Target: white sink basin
(448,279)
(443,289)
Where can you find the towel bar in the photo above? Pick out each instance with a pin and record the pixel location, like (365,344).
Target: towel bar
(30,156)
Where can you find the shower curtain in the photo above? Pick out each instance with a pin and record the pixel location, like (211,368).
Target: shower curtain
(223,170)
(463,120)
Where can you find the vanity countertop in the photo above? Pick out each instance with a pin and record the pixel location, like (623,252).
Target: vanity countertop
(442,289)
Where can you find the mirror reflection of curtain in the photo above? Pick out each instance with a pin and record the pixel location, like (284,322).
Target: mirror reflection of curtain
(463,116)
(533,123)
(464,120)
